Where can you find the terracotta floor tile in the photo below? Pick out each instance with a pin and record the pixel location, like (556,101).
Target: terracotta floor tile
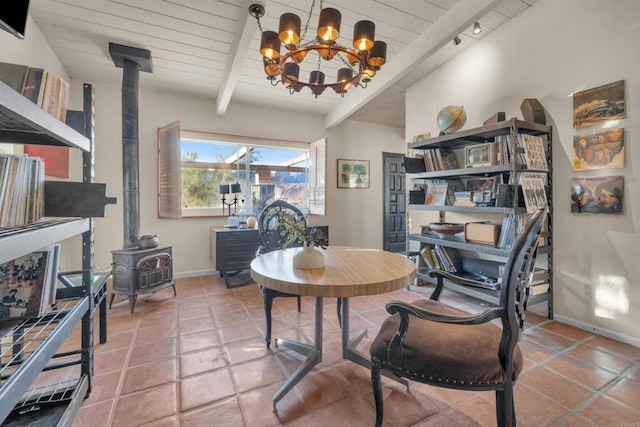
(402,408)
(321,387)
(588,375)
(567,331)
(257,406)
(626,391)
(575,421)
(257,373)
(109,361)
(149,375)
(548,339)
(104,387)
(173,421)
(116,341)
(533,408)
(617,347)
(198,341)
(146,406)
(601,359)
(246,350)
(156,333)
(189,312)
(480,410)
(201,361)
(196,324)
(153,351)
(239,331)
(607,412)
(354,408)
(224,414)
(93,415)
(232,318)
(557,388)
(201,390)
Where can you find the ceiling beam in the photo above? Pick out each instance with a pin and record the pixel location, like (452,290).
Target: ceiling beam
(462,15)
(237,54)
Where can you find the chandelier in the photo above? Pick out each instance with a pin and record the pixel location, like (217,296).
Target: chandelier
(358,63)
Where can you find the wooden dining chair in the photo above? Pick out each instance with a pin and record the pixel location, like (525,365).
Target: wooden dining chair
(432,343)
(274,236)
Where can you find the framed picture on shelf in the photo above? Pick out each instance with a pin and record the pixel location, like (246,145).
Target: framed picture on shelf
(600,103)
(600,195)
(599,150)
(353,173)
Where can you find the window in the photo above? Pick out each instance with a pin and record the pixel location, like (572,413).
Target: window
(193,166)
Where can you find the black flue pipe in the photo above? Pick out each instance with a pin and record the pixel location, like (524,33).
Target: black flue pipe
(132,61)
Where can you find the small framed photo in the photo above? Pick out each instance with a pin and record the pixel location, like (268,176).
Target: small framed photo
(353,173)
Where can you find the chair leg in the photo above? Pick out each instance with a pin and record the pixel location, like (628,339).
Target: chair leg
(339,305)
(376,382)
(298,297)
(505,408)
(268,303)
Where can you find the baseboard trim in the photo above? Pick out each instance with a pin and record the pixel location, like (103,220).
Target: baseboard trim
(186,274)
(598,330)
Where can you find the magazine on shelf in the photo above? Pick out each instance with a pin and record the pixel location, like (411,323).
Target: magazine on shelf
(534,191)
(436,193)
(535,155)
(25,284)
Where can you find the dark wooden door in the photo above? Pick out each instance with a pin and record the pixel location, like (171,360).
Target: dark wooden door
(395,206)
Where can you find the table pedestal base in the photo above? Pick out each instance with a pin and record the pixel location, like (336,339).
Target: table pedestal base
(313,355)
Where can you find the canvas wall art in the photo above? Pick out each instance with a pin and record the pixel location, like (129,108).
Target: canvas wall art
(600,103)
(599,150)
(600,195)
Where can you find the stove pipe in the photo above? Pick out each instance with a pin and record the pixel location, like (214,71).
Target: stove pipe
(132,61)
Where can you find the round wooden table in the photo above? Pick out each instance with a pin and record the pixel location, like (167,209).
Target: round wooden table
(348,272)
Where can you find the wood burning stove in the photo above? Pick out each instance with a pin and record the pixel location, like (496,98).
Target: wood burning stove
(140,271)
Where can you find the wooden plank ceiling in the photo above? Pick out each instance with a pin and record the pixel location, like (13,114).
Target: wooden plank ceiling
(210,47)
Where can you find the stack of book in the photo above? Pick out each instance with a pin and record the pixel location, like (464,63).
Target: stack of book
(21,190)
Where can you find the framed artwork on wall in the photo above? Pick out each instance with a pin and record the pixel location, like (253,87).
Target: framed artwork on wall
(599,195)
(600,103)
(353,173)
(599,150)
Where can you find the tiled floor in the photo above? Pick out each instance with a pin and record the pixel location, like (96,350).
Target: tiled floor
(199,360)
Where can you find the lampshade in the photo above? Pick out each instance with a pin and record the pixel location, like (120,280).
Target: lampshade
(236,188)
(316,78)
(378,54)
(271,68)
(329,24)
(363,34)
(270,45)
(367,74)
(223,189)
(344,76)
(292,71)
(289,31)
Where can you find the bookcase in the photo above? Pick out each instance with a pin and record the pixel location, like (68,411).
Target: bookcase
(42,380)
(496,154)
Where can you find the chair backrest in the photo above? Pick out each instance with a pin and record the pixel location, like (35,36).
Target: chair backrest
(516,280)
(275,227)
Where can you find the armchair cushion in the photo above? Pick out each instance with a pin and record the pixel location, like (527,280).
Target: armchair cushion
(446,354)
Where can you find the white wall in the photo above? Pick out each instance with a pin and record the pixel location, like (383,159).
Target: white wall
(548,52)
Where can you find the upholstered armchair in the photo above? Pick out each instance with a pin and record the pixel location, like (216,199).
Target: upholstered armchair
(275,235)
(432,343)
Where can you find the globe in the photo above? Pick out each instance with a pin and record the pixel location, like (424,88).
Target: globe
(451,118)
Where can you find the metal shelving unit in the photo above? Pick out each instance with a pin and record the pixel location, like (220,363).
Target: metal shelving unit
(32,346)
(459,140)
